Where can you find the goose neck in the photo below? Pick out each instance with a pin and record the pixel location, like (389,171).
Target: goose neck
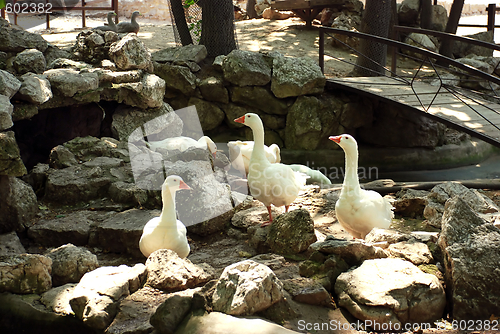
(351,180)
(258,138)
(168,214)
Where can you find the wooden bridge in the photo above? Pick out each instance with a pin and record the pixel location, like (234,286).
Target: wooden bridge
(466,110)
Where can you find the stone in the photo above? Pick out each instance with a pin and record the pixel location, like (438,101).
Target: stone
(308,291)
(353,252)
(416,252)
(31,60)
(471,252)
(217,322)
(207,207)
(92,46)
(69,82)
(71,228)
(61,157)
(169,315)
(192,52)
(442,192)
(245,288)
(25,273)
(177,78)
(356,114)
(130,53)
(210,115)
(439,18)
(147,93)
(410,202)
(416,130)
(18,204)
(212,89)
(96,297)
(70,263)
(246,218)
(420,41)
(310,121)
(53,53)
(273,261)
(162,121)
(168,272)
(118,77)
(391,292)
(34,89)
(296,76)
(76,184)
(57,299)
(463,49)
(26,311)
(68,63)
(10,244)
(89,148)
(23,111)
(260,98)
(121,232)
(408,12)
(6,111)
(291,232)
(349,22)
(135,311)
(246,68)
(16,40)
(9,84)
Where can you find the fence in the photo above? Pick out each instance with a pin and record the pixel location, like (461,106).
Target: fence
(83,8)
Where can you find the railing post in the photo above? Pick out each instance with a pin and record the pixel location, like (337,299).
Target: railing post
(322,50)
(491,9)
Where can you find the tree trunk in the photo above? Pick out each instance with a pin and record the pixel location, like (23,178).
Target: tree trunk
(180,22)
(251,12)
(425,14)
(446,48)
(376,21)
(217,32)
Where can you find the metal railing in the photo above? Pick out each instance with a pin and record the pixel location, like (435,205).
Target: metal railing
(83,8)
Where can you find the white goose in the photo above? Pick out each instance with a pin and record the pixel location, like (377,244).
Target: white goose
(166,231)
(183,143)
(240,153)
(359,210)
(275,184)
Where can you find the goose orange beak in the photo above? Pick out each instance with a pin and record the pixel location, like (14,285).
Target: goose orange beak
(183,185)
(240,119)
(335,138)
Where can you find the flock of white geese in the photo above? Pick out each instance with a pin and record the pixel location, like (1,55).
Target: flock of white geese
(357,210)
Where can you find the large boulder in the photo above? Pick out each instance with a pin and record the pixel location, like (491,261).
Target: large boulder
(18,204)
(25,273)
(408,12)
(167,271)
(31,60)
(70,263)
(391,292)
(69,82)
(162,121)
(260,98)
(463,49)
(291,232)
(393,127)
(210,115)
(72,228)
(296,76)
(353,252)
(194,53)
(439,18)
(246,68)
(147,93)
(96,298)
(245,288)
(13,39)
(212,89)
(438,196)
(471,251)
(10,244)
(177,78)
(9,84)
(130,53)
(6,111)
(34,89)
(92,46)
